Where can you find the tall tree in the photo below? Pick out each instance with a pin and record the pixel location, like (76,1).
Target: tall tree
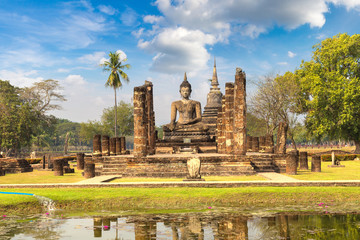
(277,100)
(331,88)
(115,67)
(18,119)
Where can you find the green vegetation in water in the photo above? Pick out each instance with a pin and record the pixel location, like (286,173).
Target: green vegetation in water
(338,199)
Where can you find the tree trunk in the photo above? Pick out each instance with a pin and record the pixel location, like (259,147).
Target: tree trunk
(115,113)
(357,146)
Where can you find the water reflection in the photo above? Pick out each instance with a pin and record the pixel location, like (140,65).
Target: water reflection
(211,225)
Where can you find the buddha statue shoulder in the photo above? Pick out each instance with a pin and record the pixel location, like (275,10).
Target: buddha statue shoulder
(189,112)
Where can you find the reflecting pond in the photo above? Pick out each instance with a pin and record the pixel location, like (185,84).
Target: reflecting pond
(205,225)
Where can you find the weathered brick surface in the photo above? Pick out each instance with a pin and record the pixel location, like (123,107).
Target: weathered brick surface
(12,165)
(303,158)
(240,113)
(175,165)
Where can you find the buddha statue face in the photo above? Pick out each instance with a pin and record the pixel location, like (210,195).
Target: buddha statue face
(185,92)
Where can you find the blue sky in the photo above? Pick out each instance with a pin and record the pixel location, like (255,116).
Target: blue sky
(67,40)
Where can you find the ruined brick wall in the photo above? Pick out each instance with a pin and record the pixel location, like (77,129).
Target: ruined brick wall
(231,124)
(240,113)
(140,122)
(144,120)
(220,128)
(150,114)
(229,117)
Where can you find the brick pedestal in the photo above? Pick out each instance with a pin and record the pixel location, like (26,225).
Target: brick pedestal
(80,161)
(316,163)
(89,170)
(58,167)
(97,145)
(105,151)
(291,163)
(303,158)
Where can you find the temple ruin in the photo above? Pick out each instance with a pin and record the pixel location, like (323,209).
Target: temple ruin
(218,138)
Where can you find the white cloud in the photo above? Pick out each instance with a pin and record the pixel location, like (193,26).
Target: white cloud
(20,78)
(75,80)
(107,9)
(178,50)
(282,63)
(153,19)
(95,58)
(129,17)
(291,54)
(216,20)
(349,4)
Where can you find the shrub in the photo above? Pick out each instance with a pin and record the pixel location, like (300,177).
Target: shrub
(33,160)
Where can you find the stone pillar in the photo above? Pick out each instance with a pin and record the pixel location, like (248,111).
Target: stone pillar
(105,146)
(80,161)
(255,144)
(240,113)
(117,146)
(58,167)
(269,142)
(140,123)
(89,170)
(123,145)
(221,128)
(112,146)
(229,117)
(249,143)
(303,158)
(219,137)
(43,161)
(97,145)
(291,163)
(150,117)
(262,144)
(316,163)
(281,138)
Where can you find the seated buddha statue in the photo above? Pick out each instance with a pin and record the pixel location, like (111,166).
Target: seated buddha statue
(189,112)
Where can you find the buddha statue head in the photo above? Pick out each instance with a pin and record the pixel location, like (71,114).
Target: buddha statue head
(185,88)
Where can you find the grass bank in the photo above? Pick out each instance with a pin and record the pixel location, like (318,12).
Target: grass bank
(349,172)
(345,199)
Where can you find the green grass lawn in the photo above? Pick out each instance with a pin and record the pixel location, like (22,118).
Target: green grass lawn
(40,177)
(351,171)
(169,199)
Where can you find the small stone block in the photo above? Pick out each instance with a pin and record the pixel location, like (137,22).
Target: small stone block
(335,166)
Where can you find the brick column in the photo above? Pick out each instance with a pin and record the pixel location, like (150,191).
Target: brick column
(220,127)
(80,161)
(97,145)
(316,163)
(112,146)
(123,145)
(58,167)
(269,143)
(303,161)
(249,143)
(240,113)
(229,117)
(262,144)
(117,146)
(255,144)
(150,117)
(281,138)
(291,163)
(140,123)
(105,146)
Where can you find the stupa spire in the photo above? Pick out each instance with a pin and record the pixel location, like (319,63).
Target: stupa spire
(214,81)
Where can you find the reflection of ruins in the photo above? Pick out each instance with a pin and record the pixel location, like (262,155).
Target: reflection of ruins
(217,136)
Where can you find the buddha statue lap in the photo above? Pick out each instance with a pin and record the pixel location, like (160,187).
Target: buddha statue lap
(189,124)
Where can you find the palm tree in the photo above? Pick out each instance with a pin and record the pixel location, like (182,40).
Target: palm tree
(114,65)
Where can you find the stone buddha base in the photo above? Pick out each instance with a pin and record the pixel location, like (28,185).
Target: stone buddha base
(186,136)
